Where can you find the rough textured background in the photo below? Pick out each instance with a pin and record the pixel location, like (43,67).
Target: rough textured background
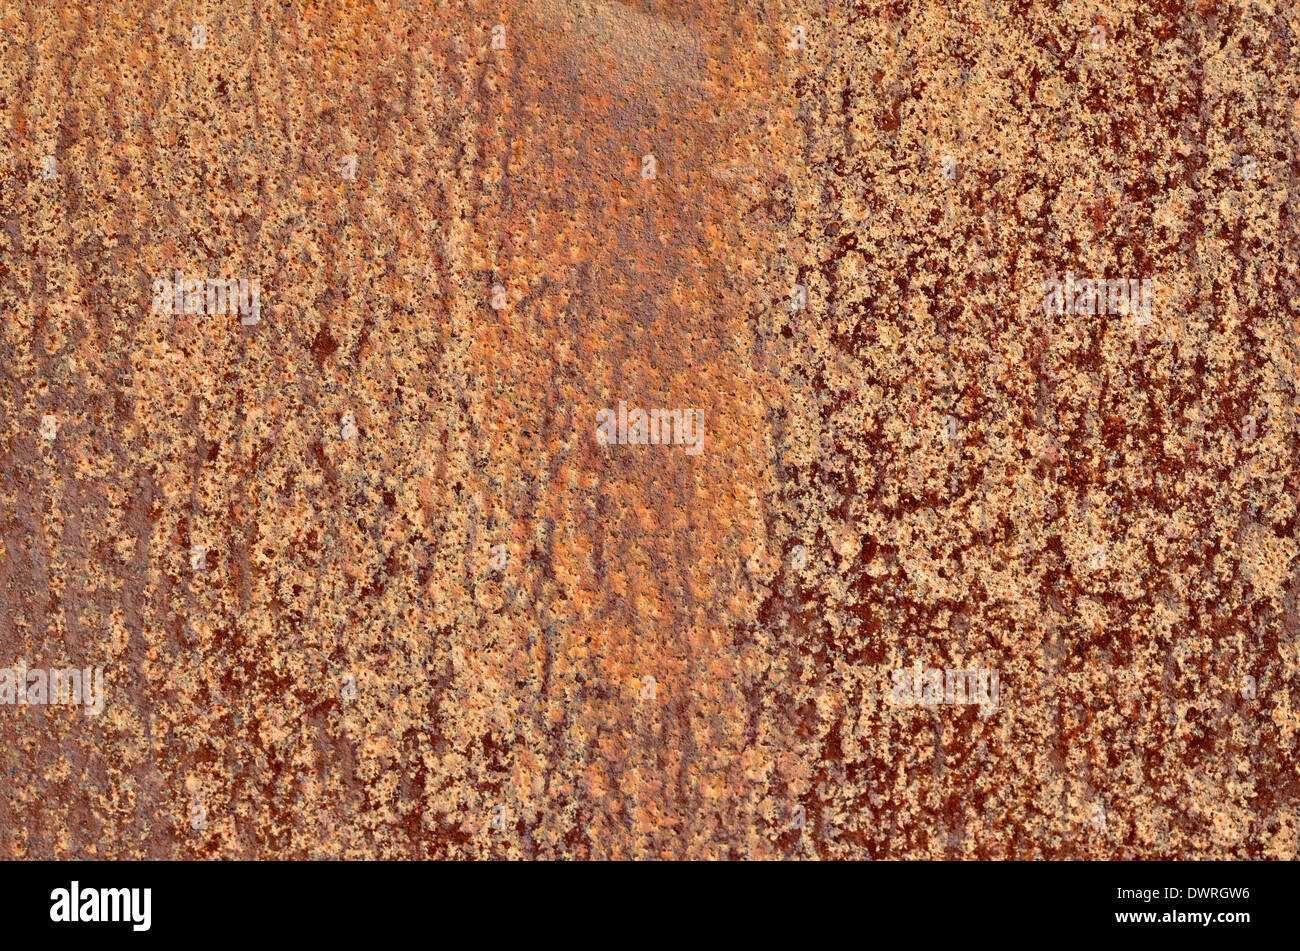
(519,693)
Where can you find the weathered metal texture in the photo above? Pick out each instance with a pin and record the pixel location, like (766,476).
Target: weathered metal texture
(364,582)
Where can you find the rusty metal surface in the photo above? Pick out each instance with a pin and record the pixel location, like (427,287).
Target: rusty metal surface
(363,576)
